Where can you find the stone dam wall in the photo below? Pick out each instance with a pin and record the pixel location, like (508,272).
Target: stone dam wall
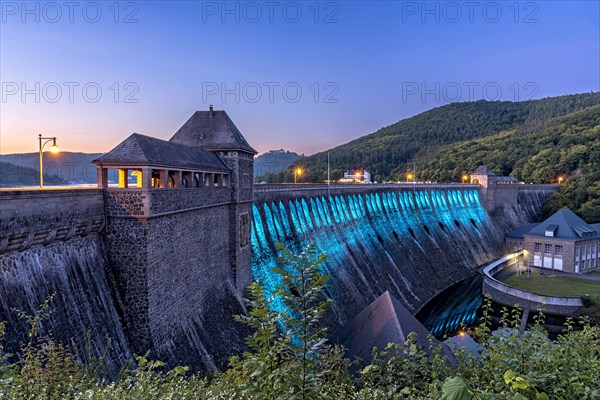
(154,271)
(51,245)
(414,242)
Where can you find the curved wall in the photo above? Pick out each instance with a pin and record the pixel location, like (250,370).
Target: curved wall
(413,243)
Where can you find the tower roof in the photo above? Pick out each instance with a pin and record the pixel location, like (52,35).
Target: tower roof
(564,224)
(212,130)
(383,321)
(483,170)
(144,150)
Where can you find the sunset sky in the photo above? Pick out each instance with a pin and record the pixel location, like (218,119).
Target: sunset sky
(303,76)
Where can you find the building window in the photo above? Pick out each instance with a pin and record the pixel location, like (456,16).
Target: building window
(548,249)
(244,230)
(538,248)
(558,250)
(246,181)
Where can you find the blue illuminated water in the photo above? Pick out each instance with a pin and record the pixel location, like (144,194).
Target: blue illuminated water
(413,243)
(444,314)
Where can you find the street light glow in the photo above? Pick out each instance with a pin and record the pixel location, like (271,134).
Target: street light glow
(297,173)
(54,149)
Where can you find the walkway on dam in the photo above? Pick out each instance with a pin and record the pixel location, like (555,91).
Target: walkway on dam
(282,187)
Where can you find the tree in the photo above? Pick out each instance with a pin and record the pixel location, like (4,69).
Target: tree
(289,355)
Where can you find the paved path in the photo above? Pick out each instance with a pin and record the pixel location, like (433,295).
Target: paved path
(593,276)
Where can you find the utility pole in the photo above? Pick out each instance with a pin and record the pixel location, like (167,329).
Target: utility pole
(328,177)
(414,176)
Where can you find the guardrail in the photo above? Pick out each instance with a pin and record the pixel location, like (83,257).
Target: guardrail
(281,187)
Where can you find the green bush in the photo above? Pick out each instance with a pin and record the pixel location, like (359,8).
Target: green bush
(299,363)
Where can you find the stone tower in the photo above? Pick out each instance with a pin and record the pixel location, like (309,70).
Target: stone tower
(496,191)
(214,131)
(483,176)
(177,235)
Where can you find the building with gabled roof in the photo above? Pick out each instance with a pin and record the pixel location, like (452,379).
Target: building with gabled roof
(157,163)
(497,190)
(140,149)
(178,237)
(487,178)
(562,242)
(212,130)
(484,170)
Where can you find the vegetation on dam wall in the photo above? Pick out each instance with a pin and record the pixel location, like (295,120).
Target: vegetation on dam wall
(301,364)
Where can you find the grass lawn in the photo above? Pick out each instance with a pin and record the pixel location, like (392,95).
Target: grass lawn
(567,286)
(549,285)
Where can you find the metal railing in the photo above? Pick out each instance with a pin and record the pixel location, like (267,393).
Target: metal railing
(497,266)
(282,187)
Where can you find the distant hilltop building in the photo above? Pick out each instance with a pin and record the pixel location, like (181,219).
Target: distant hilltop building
(356,176)
(563,242)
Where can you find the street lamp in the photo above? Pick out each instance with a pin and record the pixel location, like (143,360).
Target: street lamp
(297,173)
(465,178)
(357,175)
(54,149)
(409,177)
(561,179)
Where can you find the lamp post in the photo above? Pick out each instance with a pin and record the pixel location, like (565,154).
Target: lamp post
(297,173)
(328,178)
(464,178)
(54,149)
(561,180)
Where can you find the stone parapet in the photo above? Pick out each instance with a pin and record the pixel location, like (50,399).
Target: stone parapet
(41,217)
(139,203)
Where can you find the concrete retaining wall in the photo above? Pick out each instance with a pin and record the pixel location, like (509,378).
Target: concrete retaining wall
(509,296)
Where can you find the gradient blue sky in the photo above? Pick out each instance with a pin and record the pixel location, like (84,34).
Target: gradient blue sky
(374,58)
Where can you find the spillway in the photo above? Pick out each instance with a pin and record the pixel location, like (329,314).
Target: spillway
(74,274)
(414,243)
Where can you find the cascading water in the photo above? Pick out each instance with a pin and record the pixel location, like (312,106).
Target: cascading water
(74,273)
(453,307)
(413,243)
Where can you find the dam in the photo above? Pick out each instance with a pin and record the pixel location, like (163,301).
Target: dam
(413,241)
(158,264)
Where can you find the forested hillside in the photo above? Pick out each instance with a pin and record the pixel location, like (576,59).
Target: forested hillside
(68,166)
(388,152)
(16,176)
(536,141)
(273,162)
(568,147)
